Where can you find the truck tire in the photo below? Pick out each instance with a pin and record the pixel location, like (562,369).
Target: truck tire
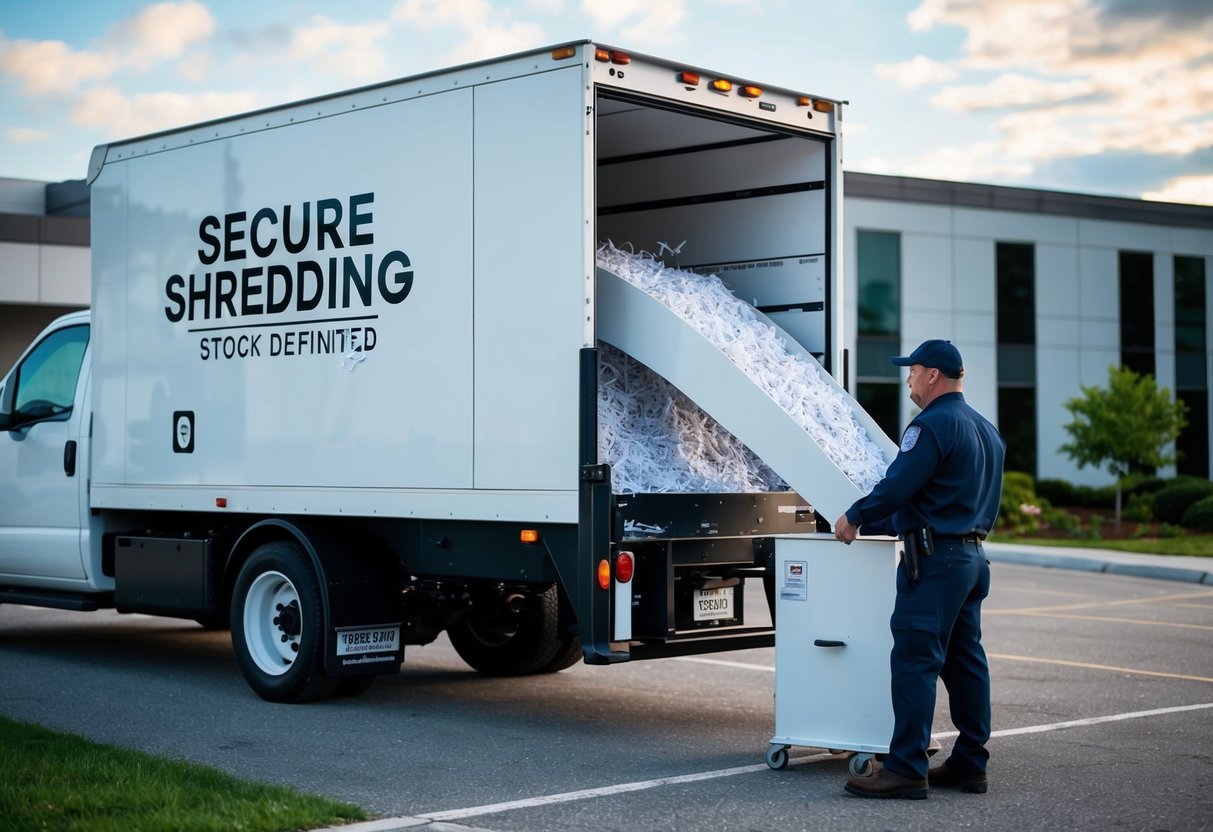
(278,625)
(511,645)
(567,655)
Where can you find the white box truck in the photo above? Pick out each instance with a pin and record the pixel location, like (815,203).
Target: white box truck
(337,388)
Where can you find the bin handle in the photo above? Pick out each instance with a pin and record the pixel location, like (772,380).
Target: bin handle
(823,642)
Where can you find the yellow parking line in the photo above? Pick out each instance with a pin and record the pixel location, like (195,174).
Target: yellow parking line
(1088,666)
(1124,602)
(1099,618)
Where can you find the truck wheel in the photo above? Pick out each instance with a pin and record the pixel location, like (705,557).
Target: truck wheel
(278,625)
(568,653)
(501,643)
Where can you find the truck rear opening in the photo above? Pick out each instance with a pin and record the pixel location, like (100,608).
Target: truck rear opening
(740,186)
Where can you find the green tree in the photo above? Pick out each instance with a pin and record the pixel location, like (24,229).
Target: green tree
(1124,428)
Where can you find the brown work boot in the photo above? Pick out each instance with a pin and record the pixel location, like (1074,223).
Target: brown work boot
(946,777)
(885,783)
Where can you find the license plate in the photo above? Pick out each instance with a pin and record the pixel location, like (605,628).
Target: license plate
(712,604)
(357,640)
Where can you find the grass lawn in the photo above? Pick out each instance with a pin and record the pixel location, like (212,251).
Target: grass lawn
(64,782)
(1198,545)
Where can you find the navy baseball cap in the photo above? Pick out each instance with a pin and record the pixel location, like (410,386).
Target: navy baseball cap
(937,353)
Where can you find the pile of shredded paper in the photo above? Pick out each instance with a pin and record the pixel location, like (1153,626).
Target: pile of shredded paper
(657,440)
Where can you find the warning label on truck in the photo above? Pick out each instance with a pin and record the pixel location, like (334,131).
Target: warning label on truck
(794,585)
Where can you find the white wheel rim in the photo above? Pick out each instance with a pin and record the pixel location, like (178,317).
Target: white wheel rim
(272,647)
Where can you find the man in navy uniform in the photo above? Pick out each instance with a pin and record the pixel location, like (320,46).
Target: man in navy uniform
(945,484)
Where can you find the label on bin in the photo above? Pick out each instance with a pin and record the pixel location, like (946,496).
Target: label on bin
(795,584)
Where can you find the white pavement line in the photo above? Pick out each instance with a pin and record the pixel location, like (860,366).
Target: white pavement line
(605,791)
(623,788)
(1095,720)
(725,663)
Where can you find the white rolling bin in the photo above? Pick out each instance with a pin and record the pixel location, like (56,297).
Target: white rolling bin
(832,645)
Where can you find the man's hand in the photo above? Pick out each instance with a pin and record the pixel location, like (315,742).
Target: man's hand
(845,530)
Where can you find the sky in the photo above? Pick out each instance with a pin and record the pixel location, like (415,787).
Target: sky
(1111,97)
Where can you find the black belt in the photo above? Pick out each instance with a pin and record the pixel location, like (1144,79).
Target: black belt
(972,537)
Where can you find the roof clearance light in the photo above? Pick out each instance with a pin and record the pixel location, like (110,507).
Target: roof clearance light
(750,92)
(624,567)
(721,85)
(604,574)
(621,58)
(563,52)
(691,79)
(804,101)
(529,535)
(823,106)
(602,55)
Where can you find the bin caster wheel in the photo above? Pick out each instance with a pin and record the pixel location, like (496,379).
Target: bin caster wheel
(860,765)
(777,756)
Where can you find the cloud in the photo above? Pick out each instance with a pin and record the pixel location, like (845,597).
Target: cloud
(649,20)
(160,32)
(487,31)
(1082,77)
(1012,90)
(351,51)
(1192,189)
(50,67)
(26,135)
(978,162)
(107,109)
(916,72)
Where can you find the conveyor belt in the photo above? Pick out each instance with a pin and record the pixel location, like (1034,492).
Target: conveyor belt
(646,329)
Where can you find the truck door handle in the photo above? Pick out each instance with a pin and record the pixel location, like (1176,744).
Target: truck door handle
(69,458)
(825,642)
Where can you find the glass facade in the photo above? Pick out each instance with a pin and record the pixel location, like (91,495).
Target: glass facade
(878,329)
(1191,370)
(1015,276)
(1137,311)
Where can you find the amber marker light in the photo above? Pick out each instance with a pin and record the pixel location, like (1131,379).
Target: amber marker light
(529,535)
(604,574)
(823,106)
(691,79)
(621,58)
(804,101)
(721,85)
(221,502)
(602,55)
(563,52)
(749,92)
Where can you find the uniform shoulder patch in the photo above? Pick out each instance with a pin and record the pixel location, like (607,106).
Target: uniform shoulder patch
(910,438)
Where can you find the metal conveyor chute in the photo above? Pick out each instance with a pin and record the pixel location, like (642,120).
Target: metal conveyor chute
(643,327)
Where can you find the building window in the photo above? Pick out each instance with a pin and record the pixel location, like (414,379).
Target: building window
(1137,311)
(1015,275)
(1191,379)
(879,327)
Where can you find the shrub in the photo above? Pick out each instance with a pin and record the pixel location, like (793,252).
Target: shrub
(1062,521)
(1171,502)
(1057,492)
(1062,493)
(1167,530)
(1199,515)
(1020,510)
(1140,507)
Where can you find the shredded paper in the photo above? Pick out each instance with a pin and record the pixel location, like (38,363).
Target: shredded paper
(657,440)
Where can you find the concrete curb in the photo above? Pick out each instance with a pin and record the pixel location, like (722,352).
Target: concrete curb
(1140,568)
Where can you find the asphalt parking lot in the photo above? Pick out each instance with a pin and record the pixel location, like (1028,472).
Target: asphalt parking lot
(1103,715)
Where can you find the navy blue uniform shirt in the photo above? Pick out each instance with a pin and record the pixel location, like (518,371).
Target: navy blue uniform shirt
(947,475)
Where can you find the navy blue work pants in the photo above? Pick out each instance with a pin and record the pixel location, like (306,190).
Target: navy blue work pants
(937,635)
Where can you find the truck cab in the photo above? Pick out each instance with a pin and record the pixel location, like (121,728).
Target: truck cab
(46,546)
